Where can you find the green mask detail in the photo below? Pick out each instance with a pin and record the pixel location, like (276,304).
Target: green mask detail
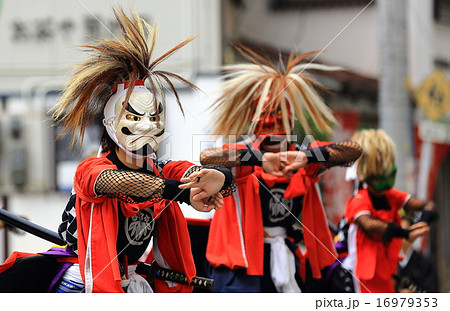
(382,182)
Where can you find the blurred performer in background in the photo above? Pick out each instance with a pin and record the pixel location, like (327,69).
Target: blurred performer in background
(416,273)
(375,233)
(253,241)
(125,196)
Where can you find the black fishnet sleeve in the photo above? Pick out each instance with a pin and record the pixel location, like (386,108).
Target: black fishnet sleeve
(371,226)
(231,157)
(375,227)
(426,209)
(192,169)
(220,156)
(415,204)
(229,185)
(134,187)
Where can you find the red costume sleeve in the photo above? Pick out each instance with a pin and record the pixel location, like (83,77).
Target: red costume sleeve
(174,245)
(366,248)
(176,169)
(320,249)
(97,222)
(319,244)
(357,205)
(397,198)
(236,237)
(173,236)
(376,261)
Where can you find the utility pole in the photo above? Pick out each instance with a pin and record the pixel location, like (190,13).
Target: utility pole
(394,107)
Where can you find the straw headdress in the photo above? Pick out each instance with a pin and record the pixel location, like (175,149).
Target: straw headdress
(378,157)
(252,91)
(125,59)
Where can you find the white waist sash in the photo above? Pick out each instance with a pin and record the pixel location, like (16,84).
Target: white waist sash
(282,261)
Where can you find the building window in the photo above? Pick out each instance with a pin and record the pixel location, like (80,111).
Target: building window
(442,11)
(310,4)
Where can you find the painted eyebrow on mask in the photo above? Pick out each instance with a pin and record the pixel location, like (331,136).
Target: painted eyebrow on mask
(160,109)
(130,109)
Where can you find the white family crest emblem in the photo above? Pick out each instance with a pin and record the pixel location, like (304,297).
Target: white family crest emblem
(279,207)
(139,227)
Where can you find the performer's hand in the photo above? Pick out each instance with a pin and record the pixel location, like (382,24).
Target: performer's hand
(291,161)
(206,205)
(209,181)
(271,164)
(418,229)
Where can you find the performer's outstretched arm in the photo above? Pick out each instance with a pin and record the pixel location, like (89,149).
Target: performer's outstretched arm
(343,153)
(427,208)
(230,157)
(139,187)
(388,230)
(287,162)
(136,187)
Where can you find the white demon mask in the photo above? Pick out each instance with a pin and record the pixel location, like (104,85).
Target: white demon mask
(139,130)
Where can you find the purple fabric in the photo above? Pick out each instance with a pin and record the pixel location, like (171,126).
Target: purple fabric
(63,266)
(341,246)
(59,252)
(330,270)
(61,269)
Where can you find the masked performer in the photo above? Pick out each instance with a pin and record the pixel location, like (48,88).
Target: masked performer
(375,233)
(252,243)
(123,198)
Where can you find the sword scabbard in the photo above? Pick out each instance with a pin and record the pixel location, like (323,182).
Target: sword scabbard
(152,271)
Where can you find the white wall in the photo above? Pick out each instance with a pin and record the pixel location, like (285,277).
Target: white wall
(187,136)
(39,37)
